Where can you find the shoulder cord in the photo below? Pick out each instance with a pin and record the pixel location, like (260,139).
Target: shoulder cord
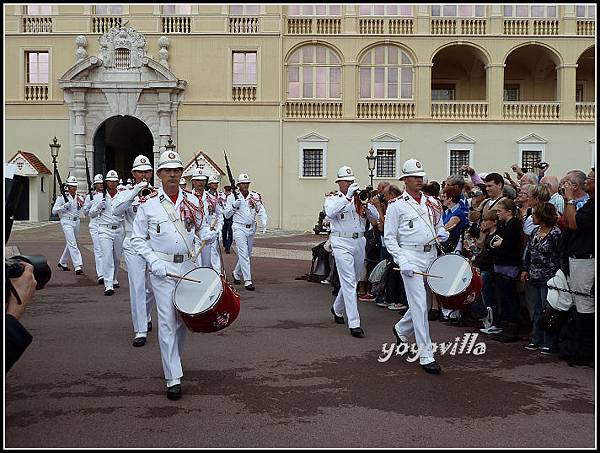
(429,225)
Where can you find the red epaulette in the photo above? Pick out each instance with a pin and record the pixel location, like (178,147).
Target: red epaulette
(332,193)
(147,197)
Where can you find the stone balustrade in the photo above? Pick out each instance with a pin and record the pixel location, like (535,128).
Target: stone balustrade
(101,24)
(371,26)
(473,26)
(459,110)
(244,25)
(37,24)
(516,27)
(36,92)
(531,111)
(313,109)
(546,27)
(298,26)
(400,26)
(176,24)
(538,27)
(243,93)
(386,110)
(329,26)
(586,27)
(585,111)
(443,26)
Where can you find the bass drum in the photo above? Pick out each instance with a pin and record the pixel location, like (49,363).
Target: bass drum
(460,283)
(208,306)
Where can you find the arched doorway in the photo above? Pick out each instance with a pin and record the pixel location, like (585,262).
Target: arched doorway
(118,141)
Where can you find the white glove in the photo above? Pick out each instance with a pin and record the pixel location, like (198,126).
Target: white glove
(353,188)
(66,206)
(159,269)
(140,185)
(237,203)
(102,205)
(408,270)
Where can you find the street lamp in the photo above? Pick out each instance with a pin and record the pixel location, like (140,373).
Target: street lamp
(170,146)
(54,148)
(371,159)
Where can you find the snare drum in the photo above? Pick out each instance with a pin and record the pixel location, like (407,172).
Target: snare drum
(208,306)
(460,283)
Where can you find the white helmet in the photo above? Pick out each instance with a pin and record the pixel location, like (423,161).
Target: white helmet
(412,167)
(71,181)
(169,159)
(182,182)
(198,174)
(243,178)
(98,179)
(345,173)
(213,178)
(141,163)
(111,176)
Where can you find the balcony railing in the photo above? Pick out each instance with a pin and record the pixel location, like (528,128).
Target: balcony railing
(243,93)
(36,92)
(244,25)
(548,27)
(329,26)
(400,26)
(313,109)
(531,110)
(443,26)
(585,111)
(586,27)
(37,24)
(101,24)
(176,24)
(452,26)
(299,26)
(385,110)
(371,26)
(459,110)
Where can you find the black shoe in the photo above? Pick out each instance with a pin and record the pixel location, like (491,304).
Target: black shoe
(398,340)
(432,368)
(357,332)
(149,326)
(101,281)
(250,287)
(116,285)
(433,315)
(227,251)
(443,318)
(64,268)
(336,318)
(79,272)
(174,392)
(235,280)
(109,292)
(141,341)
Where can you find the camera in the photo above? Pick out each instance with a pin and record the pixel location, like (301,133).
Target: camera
(542,165)
(41,271)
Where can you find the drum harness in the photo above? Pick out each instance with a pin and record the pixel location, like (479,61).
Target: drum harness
(176,220)
(428,222)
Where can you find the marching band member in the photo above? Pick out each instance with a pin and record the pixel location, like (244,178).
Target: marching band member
(347,238)
(199,182)
(93,226)
(182,183)
(172,219)
(412,221)
(140,293)
(244,211)
(110,231)
(213,206)
(69,221)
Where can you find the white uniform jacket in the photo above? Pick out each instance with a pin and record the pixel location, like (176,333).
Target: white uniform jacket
(70,212)
(127,203)
(412,224)
(250,208)
(213,209)
(342,214)
(106,216)
(87,205)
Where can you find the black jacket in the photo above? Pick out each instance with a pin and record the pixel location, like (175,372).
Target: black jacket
(510,253)
(16,340)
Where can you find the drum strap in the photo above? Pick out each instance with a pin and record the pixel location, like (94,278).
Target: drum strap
(177,222)
(426,218)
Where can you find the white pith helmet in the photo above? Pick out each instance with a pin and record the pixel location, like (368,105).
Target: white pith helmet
(198,174)
(71,181)
(111,176)
(412,167)
(242,178)
(98,179)
(345,173)
(169,159)
(141,163)
(213,178)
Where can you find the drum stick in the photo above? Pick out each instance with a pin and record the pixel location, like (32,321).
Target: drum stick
(183,278)
(422,273)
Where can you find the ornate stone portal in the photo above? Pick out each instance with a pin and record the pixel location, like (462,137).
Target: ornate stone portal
(122,80)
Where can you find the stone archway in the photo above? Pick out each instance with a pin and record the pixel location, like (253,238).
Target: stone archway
(123,80)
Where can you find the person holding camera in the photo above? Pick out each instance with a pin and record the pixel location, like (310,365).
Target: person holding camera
(19,293)
(68,209)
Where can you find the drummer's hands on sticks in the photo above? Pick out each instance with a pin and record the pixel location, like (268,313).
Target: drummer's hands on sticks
(159,269)
(408,270)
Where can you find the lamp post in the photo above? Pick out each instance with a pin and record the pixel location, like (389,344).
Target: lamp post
(170,146)
(54,148)
(371,159)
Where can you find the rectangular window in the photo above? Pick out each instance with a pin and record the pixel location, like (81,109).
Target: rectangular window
(314,10)
(312,162)
(180,10)
(109,10)
(458,158)
(36,67)
(529,160)
(579,93)
(244,10)
(512,93)
(39,10)
(244,68)
(386,163)
(508,10)
(445,92)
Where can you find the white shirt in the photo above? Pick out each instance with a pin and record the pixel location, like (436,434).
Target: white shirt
(106,215)
(342,214)
(250,208)
(559,203)
(410,223)
(126,203)
(87,205)
(213,209)
(71,212)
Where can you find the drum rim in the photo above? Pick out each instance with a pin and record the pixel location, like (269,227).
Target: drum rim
(193,315)
(470,267)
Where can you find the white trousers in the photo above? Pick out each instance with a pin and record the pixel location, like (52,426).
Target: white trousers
(244,239)
(418,294)
(349,255)
(97,248)
(210,257)
(141,296)
(171,329)
(111,242)
(581,278)
(71,231)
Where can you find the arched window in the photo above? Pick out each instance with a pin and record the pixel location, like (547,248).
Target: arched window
(386,72)
(314,72)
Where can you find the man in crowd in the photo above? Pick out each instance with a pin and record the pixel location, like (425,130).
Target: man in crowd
(93,226)
(69,211)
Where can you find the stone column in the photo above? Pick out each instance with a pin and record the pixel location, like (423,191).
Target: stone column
(423,20)
(423,90)
(567,80)
(349,90)
(79,111)
(494,77)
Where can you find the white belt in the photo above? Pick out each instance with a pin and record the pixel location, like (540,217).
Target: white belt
(110,226)
(173,258)
(347,235)
(245,225)
(417,247)
(69,217)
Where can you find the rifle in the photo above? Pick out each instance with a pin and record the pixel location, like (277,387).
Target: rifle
(230,176)
(89,180)
(61,186)
(196,160)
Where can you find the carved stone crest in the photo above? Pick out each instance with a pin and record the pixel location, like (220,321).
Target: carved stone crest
(123,41)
